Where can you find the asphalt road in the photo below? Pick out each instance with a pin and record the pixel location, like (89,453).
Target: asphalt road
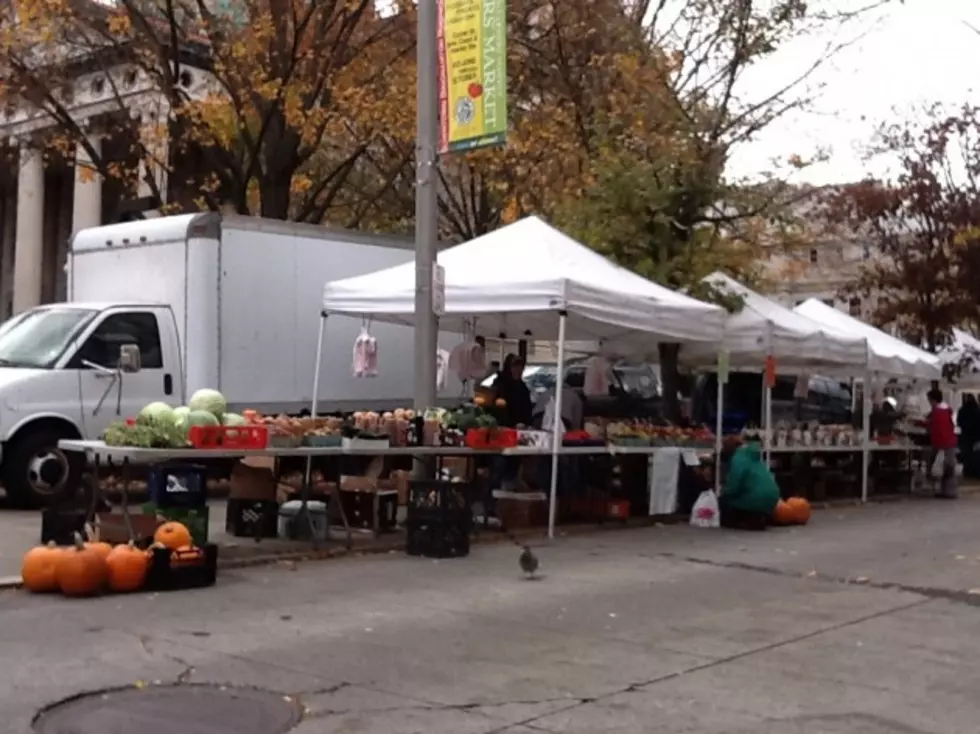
(862,623)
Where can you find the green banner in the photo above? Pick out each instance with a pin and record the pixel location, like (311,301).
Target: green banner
(472,74)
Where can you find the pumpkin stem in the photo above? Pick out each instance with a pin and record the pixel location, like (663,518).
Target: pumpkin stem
(79,543)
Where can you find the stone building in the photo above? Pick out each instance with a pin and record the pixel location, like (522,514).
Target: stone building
(45,196)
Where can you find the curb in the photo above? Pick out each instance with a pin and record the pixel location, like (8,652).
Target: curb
(488,538)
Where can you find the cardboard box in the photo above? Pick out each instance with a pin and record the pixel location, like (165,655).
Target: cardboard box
(112,526)
(252,483)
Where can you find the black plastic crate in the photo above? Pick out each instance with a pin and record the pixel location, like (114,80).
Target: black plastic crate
(359,509)
(438,500)
(177,485)
(165,575)
(59,524)
(435,539)
(252,518)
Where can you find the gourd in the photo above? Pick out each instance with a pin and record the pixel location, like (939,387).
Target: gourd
(126,567)
(39,569)
(800,509)
(173,535)
(783,514)
(81,570)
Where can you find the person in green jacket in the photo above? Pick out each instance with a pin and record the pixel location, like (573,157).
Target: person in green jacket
(751,493)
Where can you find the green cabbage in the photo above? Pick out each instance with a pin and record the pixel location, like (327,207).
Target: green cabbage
(233,419)
(180,414)
(210,400)
(157,413)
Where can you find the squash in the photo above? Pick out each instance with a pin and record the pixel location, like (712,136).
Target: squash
(39,569)
(800,510)
(173,535)
(81,570)
(126,568)
(783,514)
(92,541)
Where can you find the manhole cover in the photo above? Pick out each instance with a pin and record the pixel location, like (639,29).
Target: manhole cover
(188,709)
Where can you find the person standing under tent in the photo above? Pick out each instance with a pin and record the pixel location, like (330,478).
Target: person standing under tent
(942,437)
(512,405)
(968,421)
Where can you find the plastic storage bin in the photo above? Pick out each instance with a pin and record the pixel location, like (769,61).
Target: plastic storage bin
(294,524)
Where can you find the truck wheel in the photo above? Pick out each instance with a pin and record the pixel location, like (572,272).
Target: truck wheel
(36,473)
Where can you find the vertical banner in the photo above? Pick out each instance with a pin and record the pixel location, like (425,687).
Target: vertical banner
(472,74)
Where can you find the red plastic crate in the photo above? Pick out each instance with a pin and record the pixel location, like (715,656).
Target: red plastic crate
(229,437)
(492,438)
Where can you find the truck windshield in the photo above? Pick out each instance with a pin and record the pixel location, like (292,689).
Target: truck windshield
(37,338)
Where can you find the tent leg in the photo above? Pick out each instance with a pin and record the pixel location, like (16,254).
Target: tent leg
(866,435)
(768,430)
(308,472)
(719,427)
(557,427)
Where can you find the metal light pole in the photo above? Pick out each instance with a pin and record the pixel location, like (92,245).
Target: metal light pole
(426,202)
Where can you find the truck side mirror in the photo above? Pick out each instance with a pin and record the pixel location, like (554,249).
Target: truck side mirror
(129,358)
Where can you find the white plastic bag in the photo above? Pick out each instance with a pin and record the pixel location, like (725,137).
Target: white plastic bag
(936,470)
(705,512)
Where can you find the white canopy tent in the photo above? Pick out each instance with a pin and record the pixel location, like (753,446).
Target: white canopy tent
(530,279)
(518,278)
(763,328)
(889,356)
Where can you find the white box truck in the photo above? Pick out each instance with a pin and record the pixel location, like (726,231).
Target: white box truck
(225,302)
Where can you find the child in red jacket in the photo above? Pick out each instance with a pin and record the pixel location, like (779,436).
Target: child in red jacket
(942,436)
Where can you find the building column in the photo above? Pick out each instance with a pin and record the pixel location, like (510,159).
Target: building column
(153,129)
(29,237)
(87,199)
(8,220)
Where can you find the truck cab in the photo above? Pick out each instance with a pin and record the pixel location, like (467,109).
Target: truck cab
(69,370)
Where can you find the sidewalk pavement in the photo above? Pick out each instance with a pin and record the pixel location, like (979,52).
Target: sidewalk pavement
(862,622)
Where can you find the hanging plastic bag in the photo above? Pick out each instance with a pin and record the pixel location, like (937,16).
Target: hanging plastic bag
(936,469)
(705,513)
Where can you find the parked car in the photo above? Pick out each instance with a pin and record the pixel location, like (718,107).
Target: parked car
(634,393)
(828,401)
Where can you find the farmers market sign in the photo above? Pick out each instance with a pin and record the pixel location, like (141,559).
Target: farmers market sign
(472,74)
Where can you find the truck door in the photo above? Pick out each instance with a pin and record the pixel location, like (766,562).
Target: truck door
(108,396)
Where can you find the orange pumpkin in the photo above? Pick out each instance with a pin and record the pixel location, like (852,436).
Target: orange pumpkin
(173,535)
(81,570)
(126,567)
(39,569)
(783,514)
(800,509)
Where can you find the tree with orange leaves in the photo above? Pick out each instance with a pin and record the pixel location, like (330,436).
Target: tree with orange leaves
(271,107)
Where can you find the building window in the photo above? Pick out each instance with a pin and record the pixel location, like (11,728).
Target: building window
(813,255)
(829,302)
(854,307)
(866,252)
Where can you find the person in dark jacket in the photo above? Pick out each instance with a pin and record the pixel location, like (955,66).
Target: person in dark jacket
(968,420)
(509,387)
(513,408)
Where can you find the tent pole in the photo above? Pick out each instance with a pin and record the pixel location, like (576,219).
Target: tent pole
(316,390)
(719,427)
(866,435)
(557,427)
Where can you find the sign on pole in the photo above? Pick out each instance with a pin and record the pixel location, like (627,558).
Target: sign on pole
(472,74)
(438,290)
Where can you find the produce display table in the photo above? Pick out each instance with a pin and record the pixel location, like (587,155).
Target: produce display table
(99,454)
(820,471)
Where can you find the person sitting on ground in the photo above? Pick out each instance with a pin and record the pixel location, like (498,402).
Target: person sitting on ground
(750,494)
(942,436)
